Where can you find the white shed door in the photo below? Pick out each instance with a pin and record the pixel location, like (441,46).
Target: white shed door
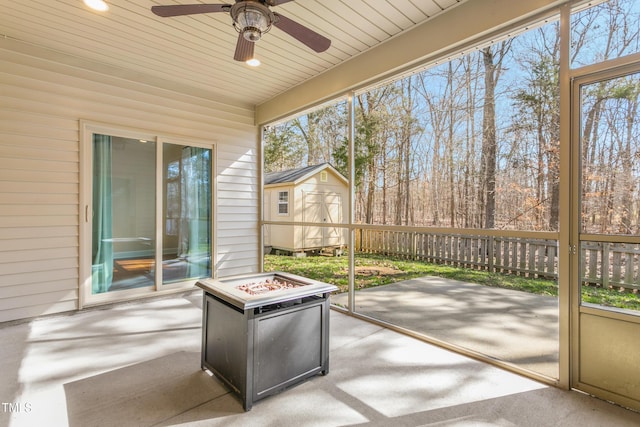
(322,208)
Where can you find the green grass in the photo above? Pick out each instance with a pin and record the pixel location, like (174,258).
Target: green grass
(611,297)
(376,270)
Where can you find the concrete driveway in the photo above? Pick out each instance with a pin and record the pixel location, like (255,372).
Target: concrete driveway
(512,326)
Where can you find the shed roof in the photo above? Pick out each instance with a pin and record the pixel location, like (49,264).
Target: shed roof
(297,175)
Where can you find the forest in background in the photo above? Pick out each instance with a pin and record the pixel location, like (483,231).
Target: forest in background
(474,141)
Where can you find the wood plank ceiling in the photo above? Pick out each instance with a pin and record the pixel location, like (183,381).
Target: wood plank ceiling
(197,51)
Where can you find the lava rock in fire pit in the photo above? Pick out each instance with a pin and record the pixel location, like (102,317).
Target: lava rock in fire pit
(266,286)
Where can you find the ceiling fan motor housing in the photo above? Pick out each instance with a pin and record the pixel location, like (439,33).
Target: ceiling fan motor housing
(252,19)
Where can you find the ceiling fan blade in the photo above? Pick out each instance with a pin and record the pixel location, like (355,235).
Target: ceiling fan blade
(305,35)
(244,49)
(278,2)
(187,9)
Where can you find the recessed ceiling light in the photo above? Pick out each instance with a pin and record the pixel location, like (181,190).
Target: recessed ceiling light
(253,62)
(99,5)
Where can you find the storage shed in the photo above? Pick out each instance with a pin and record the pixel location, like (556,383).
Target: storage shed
(312,194)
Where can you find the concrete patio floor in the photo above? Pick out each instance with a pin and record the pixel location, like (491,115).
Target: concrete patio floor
(138,364)
(512,326)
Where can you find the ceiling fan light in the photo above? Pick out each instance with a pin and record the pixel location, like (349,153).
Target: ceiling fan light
(251,20)
(252,34)
(253,62)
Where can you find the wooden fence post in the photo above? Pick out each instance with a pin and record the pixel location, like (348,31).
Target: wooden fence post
(414,245)
(490,255)
(605,264)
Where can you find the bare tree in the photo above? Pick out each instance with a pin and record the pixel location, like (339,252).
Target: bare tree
(492,59)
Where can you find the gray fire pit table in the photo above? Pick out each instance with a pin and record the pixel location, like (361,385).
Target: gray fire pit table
(263,333)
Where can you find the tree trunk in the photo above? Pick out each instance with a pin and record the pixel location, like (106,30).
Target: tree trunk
(489,139)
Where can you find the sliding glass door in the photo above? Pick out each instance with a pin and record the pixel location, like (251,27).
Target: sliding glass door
(186,242)
(148,214)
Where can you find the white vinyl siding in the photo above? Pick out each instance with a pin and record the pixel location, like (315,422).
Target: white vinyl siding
(41,105)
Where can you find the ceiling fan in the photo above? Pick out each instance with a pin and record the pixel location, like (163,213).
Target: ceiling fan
(251,19)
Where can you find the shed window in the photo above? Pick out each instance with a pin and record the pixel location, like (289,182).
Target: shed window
(324,177)
(283,203)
